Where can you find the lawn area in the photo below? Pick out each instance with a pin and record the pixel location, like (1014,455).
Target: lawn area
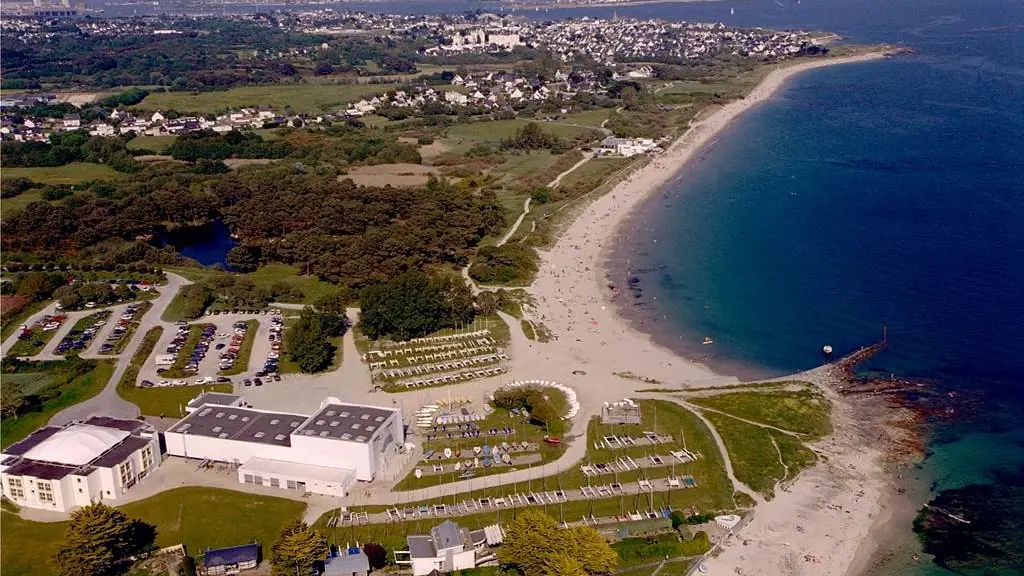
(65,393)
(593,174)
(158,144)
(497,130)
(592,118)
(75,173)
(755,460)
(308,98)
(158,401)
(244,351)
(199,518)
(518,165)
(803,411)
(8,205)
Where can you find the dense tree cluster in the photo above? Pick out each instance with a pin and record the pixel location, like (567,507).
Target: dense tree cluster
(533,399)
(533,137)
(67,147)
(508,263)
(309,340)
(413,304)
(353,235)
(98,538)
(536,545)
(209,145)
(75,295)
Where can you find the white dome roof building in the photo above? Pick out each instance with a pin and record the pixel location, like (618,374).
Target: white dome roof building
(62,468)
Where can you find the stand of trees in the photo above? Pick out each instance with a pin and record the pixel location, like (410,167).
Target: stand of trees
(536,545)
(529,398)
(533,137)
(508,263)
(98,539)
(209,145)
(309,340)
(413,304)
(67,147)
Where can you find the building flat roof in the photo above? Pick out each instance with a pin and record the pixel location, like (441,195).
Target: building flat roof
(346,565)
(45,470)
(117,423)
(421,546)
(31,441)
(236,423)
(121,452)
(218,398)
(349,422)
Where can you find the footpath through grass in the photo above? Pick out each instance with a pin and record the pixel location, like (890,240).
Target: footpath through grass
(804,411)
(199,518)
(67,382)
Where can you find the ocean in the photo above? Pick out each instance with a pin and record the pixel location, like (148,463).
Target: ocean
(888,194)
(867,195)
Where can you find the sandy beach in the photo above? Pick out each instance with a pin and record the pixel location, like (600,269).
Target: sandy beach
(815,525)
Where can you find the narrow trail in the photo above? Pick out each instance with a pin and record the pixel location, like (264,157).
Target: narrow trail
(785,467)
(736,484)
(526,204)
(734,417)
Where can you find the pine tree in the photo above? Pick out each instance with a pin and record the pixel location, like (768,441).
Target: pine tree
(97,537)
(297,549)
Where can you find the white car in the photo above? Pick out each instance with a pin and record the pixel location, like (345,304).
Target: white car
(179,382)
(90,304)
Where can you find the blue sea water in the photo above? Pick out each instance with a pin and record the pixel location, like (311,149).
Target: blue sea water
(884,193)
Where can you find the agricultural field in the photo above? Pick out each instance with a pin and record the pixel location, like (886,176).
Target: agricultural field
(75,173)
(156,144)
(307,98)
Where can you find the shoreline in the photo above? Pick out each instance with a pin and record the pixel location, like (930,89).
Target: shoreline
(818,522)
(615,4)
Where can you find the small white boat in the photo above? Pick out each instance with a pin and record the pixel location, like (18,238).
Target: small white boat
(708,340)
(447,452)
(476,449)
(826,349)
(418,473)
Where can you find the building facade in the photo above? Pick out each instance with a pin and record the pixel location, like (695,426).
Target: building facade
(323,453)
(63,468)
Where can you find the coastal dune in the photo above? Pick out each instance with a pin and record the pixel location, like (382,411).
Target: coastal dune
(816,524)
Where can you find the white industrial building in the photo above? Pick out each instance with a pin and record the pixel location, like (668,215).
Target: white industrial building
(323,453)
(62,468)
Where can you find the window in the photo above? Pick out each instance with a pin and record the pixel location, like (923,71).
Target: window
(249,479)
(16,488)
(290,484)
(259,435)
(45,491)
(274,422)
(217,428)
(124,471)
(379,418)
(275,483)
(365,417)
(147,457)
(257,480)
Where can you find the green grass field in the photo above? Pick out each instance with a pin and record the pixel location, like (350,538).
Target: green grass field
(803,411)
(754,459)
(519,165)
(497,130)
(8,205)
(308,98)
(199,518)
(76,173)
(592,118)
(78,390)
(158,144)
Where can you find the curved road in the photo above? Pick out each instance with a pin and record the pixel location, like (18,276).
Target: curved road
(107,402)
